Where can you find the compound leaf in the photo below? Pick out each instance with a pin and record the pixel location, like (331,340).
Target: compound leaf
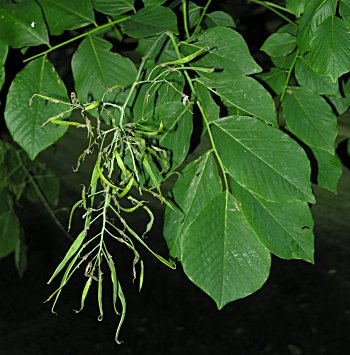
(264,160)
(222,254)
(25,121)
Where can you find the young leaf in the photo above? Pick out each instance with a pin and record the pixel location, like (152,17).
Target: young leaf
(310,79)
(195,188)
(279,44)
(316,12)
(227,52)
(219,18)
(3,56)
(221,253)
(113,8)
(264,160)
(329,169)
(330,48)
(288,238)
(247,95)
(310,118)
(151,21)
(22,24)
(67,14)
(25,121)
(9,232)
(96,69)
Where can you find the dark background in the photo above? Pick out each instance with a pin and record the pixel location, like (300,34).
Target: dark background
(302,309)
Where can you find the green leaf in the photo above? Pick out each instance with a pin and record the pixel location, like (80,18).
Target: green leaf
(264,160)
(221,253)
(3,56)
(194,13)
(329,169)
(153,2)
(195,188)
(227,52)
(330,48)
(21,255)
(316,12)
(67,14)
(310,79)
(22,24)
(9,233)
(297,6)
(96,69)
(284,62)
(177,121)
(340,103)
(247,95)
(275,79)
(115,7)
(344,8)
(279,44)
(310,118)
(211,109)
(219,18)
(151,21)
(25,121)
(288,238)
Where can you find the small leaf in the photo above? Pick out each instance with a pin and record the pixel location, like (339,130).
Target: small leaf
(3,56)
(264,160)
(9,233)
(330,48)
(297,6)
(221,253)
(279,44)
(151,21)
(227,52)
(284,62)
(329,169)
(310,79)
(288,238)
(153,2)
(275,79)
(21,255)
(67,14)
(219,18)
(115,7)
(247,95)
(25,121)
(196,187)
(96,69)
(211,109)
(310,118)
(22,24)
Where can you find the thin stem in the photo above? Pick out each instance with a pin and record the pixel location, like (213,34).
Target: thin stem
(77,37)
(42,197)
(274,9)
(288,75)
(202,16)
(184,14)
(206,121)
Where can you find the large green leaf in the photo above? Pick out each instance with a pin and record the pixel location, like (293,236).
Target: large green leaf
(22,24)
(67,14)
(115,7)
(247,95)
(195,188)
(25,121)
(279,44)
(222,254)
(288,238)
(264,160)
(96,69)
(9,232)
(316,12)
(151,21)
(227,52)
(177,121)
(3,56)
(310,118)
(296,6)
(310,79)
(330,53)
(329,169)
